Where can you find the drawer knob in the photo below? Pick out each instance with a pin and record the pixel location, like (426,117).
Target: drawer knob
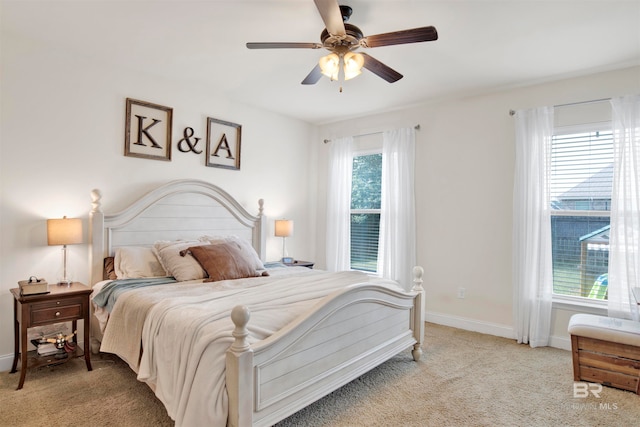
(57,313)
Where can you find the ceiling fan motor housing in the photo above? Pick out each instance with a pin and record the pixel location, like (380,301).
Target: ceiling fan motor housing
(350,41)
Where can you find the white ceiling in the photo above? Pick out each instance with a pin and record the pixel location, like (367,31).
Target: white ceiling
(483,46)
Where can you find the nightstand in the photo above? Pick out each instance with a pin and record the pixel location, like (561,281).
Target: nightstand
(299,263)
(62,304)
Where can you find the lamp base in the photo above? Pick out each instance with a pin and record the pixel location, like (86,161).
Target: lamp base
(64,281)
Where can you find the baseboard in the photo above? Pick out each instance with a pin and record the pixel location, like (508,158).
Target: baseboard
(471,325)
(5,362)
(560,342)
(441,319)
(488,328)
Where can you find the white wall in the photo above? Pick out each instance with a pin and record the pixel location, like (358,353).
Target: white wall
(62,127)
(464,184)
(62,135)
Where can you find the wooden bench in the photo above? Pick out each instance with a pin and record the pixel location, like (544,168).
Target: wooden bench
(606,350)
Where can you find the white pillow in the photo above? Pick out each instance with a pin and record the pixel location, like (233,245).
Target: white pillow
(181,267)
(133,262)
(245,247)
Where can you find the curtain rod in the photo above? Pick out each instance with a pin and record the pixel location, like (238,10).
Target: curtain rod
(326,141)
(512,112)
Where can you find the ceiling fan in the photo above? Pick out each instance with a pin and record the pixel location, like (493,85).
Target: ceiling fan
(343,39)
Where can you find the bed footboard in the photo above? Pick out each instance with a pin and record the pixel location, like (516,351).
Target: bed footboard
(344,336)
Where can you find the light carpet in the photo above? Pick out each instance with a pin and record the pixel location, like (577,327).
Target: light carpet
(463,379)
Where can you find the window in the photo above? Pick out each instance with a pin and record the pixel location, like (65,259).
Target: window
(366,188)
(580,189)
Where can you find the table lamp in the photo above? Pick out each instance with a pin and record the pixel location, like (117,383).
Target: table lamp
(284,229)
(65,231)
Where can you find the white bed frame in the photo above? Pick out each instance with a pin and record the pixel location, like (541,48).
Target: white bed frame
(346,334)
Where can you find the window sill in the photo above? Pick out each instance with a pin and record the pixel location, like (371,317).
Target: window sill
(583,305)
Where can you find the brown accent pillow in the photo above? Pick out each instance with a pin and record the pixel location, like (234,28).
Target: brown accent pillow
(224,261)
(109,272)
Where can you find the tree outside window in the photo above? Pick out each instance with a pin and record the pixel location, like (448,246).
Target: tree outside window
(366,189)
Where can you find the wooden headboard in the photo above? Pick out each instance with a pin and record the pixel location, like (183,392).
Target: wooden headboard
(183,209)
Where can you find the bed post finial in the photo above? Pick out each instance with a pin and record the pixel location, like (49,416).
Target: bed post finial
(240,317)
(260,207)
(96,196)
(417,278)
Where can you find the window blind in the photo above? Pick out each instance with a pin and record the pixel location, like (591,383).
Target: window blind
(580,191)
(365,231)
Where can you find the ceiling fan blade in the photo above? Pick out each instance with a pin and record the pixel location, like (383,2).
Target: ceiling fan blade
(379,69)
(415,35)
(331,16)
(283,45)
(313,77)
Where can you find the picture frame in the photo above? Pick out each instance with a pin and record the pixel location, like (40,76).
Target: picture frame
(148,130)
(223,144)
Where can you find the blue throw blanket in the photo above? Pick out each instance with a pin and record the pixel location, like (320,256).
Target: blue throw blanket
(111,291)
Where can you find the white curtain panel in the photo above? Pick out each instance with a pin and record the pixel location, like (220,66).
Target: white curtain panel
(532,261)
(338,204)
(624,240)
(397,244)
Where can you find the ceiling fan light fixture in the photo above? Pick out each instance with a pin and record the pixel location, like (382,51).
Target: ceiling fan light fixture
(353,63)
(330,66)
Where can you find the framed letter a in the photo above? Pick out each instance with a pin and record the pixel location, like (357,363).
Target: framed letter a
(223,144)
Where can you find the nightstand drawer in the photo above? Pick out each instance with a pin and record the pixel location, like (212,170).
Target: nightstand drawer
(61,310)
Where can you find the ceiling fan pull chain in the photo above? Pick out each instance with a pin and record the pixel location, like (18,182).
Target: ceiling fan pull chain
(341,71)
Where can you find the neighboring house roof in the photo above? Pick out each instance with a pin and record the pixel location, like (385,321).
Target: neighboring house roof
(598,236)
(596,187)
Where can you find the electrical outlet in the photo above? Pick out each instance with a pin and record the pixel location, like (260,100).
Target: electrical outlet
(461,293)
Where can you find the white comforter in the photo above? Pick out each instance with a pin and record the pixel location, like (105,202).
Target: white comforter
(185,330)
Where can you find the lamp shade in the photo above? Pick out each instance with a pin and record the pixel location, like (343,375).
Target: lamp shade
(284,228)
(330,66)
(353,63)
(64,231)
